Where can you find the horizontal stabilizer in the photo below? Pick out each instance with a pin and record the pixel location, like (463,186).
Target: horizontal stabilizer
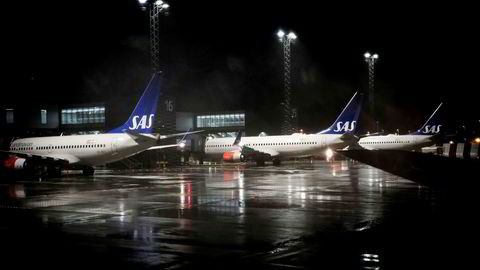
(142,137)
(178,134)
(163,146)
(349,138)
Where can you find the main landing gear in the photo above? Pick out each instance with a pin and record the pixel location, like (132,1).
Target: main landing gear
(54,171)
(260,162)
(276,162)
(87,171)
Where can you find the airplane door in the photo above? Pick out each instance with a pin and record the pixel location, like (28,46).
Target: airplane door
(114,146)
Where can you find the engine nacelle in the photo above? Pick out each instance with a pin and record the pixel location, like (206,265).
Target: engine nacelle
(233,156)
(15,163)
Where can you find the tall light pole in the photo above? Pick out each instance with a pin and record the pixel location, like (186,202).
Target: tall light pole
(166,121)
(155,7)
(288,113)
(371,59)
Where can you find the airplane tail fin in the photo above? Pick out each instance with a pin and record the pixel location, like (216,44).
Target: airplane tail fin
(143,116)
(347,120)
(433,124)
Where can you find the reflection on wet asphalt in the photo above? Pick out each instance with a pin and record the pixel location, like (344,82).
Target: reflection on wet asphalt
(339,215)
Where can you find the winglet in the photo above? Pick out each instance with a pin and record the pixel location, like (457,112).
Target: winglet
(238,138)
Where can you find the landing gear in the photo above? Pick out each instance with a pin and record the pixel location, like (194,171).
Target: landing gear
(276,162)
(54,171)
(87,171)
(260,162)
(40,171)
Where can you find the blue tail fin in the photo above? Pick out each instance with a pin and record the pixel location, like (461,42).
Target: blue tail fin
(143,116)
(347,120)
(432,126)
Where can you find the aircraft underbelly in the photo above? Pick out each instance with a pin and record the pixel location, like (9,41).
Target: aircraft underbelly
(121,152)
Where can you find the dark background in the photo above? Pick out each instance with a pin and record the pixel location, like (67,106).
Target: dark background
(225,55)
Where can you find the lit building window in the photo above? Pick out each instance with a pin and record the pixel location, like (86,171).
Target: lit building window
(9,115)
(43,116)
(85,115)
(221,120)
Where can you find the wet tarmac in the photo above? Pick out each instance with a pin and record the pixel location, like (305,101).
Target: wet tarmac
(452,175)
(320,215)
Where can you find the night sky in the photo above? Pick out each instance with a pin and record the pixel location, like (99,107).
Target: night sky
(224,55)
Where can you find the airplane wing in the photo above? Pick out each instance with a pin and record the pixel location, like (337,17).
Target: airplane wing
(253,154)
(250,153)
(269,152)
(63,160)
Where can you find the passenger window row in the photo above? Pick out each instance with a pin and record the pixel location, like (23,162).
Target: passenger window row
(265,144)
(385,142)
(71,146)
(21,148)
(59,147)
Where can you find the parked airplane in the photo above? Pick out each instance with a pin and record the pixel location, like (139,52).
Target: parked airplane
(85,151)
(414,141)
(276,148)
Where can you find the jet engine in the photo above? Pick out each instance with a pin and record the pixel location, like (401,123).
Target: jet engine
(15,163)
(233,156)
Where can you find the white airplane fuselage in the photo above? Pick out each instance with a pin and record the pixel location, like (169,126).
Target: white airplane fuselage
(395,142)
(282,146)
(421,138)
(83,150)
(336,136)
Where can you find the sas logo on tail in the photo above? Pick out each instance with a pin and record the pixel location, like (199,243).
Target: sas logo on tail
(144,122)
(431,129)
(347,126)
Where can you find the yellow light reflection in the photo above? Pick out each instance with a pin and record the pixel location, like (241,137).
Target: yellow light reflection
(328,154)
(185,196)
